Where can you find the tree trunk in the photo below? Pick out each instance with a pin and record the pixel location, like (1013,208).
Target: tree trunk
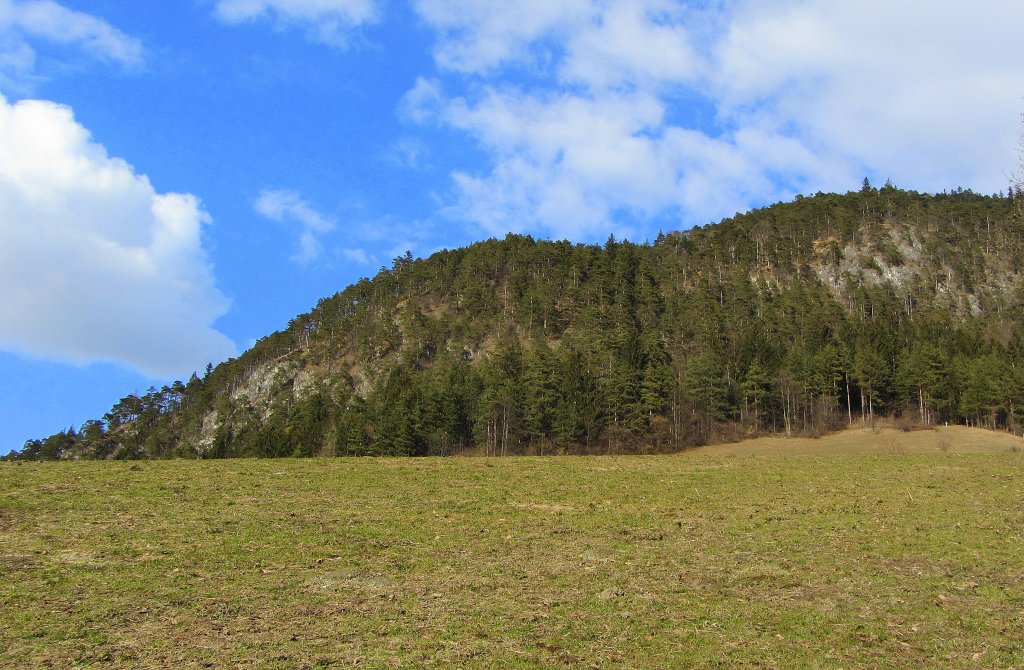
(785,410)
(849,404)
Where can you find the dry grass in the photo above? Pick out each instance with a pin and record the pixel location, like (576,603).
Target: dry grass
(868,442)
(807,558)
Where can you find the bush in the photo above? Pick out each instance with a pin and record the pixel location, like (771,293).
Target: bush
(909,423)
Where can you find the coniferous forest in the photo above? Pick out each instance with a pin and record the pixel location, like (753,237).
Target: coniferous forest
(799,318)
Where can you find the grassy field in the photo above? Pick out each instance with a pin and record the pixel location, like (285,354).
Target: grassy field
(902,555)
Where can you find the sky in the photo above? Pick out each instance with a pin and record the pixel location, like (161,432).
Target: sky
(181,178)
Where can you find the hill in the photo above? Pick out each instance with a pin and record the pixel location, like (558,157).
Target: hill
(798,318)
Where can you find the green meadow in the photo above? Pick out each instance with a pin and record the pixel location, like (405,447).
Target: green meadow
(902,555)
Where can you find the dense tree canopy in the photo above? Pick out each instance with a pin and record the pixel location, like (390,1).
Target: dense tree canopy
(800,318)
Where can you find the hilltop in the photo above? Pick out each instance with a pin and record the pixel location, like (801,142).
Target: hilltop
(799,318)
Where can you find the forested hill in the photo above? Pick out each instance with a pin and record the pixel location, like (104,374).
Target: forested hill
(800,317)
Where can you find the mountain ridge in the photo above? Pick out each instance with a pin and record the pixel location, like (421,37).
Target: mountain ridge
(798,317)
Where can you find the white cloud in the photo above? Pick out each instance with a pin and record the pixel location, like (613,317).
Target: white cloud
(357,256)
(926,97)
(25,21)
(284,205)
(407,152)
(635,44)
(289,207)
(598,43)
(624,110)
(479,35)
(95,265)
(327,21)
(572,165)
(17,66)
(422,102)
(563,163)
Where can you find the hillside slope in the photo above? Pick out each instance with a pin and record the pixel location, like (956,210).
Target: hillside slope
(799,318)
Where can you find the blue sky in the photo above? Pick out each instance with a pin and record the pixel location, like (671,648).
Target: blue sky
(178,179)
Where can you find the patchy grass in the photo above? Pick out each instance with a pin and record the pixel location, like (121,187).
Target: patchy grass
(881,441)
(894,559)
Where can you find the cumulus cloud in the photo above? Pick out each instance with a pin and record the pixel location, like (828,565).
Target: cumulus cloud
(563,163)
(479,35)
(23,22)
(623,110)
(638,44)
(285,205)
(327,21)
(928,98)
(95,265)
(596,43)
